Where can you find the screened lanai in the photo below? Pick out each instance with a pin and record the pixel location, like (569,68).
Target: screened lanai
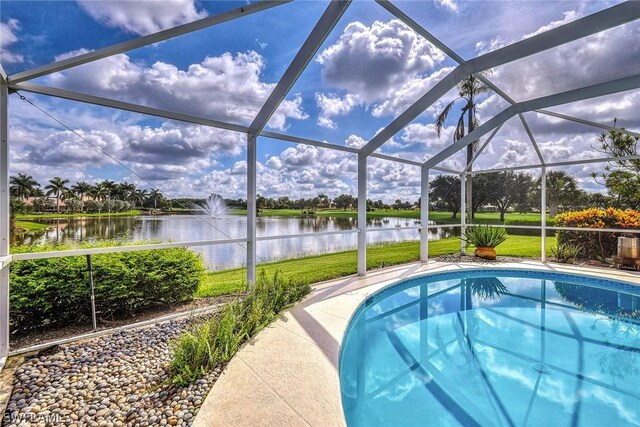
(356,84)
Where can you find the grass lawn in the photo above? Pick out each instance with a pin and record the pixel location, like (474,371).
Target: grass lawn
(30,226)
(54,215)
(445,217)
(329,266)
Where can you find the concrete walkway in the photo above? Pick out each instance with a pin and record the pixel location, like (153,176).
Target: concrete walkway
(288,374)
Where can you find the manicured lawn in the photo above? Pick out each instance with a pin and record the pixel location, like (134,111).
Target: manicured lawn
(30,226)
(324,267)
(74,215)
(446,217)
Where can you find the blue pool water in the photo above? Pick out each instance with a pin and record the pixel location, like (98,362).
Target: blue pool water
(494,347)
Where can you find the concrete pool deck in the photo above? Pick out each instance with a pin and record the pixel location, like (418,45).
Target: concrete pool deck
(288,374)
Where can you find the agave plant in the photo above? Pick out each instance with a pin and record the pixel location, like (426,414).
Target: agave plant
(484,236)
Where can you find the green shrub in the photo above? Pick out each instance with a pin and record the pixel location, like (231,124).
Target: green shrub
(564,252)
(484,236)
(527,231)
(215,341)
(55,291)
(594,244)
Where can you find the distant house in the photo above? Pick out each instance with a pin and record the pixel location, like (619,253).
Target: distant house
(29,201)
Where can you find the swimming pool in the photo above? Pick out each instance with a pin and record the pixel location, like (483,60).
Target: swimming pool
(494,347)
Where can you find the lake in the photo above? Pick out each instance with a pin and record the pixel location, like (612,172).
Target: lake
(195,227)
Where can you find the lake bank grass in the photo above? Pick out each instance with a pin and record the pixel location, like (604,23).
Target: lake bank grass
(54,215)
(438,216)
(317,268)
(27,226)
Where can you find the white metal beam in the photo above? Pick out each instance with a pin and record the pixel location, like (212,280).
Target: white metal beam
(587,122)
(3,74)
(362,215)
(531,138)
(187,118)
(344,148)
(451,53)
(4,222)
(424,214)
(126,106)
(318,35)
(307,141)
(144,41)
(477,154)
(583,27)
(463,211)
(601,89)
(558,164)
(251,210)
(543,213)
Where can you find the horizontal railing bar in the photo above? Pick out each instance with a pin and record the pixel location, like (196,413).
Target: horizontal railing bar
(293,236)
(4,261)
(116,249)
(417,227)
(539,227)
(604,230)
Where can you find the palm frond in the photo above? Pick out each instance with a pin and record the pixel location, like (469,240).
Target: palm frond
(442,117)
(459,133)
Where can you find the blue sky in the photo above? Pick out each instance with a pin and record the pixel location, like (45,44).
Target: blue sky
(368,71)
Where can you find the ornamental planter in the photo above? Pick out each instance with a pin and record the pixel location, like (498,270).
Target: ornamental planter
(486,252)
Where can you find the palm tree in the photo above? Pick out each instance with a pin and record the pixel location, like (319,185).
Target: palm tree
(562,189)
(155,194)
(58,187)
(81,189)
(468,91)
(139,196)
(126,190)
(97,192)
(109,189)
(37,192)
(23,186)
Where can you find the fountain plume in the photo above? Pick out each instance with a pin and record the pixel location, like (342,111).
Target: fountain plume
(214,205)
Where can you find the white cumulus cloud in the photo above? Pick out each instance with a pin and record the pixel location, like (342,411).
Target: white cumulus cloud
(226,87)
(8,36)
(372,61)
(142,16)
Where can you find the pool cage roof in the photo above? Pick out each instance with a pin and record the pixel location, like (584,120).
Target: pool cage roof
(580,28)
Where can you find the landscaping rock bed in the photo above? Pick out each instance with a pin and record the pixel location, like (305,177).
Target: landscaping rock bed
(115,380)
(454,258)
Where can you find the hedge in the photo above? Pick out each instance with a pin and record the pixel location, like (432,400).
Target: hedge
(527,231)
(55,291)
(593,244)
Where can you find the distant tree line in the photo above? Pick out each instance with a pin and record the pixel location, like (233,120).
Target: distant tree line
(515,191)
(105,196)
(500,191)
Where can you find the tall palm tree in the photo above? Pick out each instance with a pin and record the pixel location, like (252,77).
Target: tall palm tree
(99,193)
(23,186)
(468,90)
(96,192)
(155,194)
(126,190)
(109,188)
(58,187)
(81,189)
(139,196)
